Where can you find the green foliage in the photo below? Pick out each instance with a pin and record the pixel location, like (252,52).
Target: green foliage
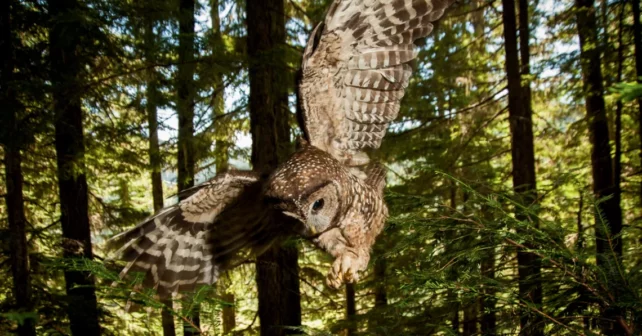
(628,91)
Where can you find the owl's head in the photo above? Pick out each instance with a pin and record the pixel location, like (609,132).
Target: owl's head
(309,188)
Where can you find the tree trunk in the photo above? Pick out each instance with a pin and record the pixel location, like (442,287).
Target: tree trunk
(601,150)
(66,67)
(351,310)
(221,132)
(637,42)
(487,304)
(470,309)
(229,313)
(523,157)
(13,175)
(17,231)
(606,231)
(277,269)
(451,295)
(185,105)
(381,296)
(470,319)
(155,160)
(185,89)
(617,160)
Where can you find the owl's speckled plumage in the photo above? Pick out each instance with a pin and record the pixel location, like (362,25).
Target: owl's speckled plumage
(355,70)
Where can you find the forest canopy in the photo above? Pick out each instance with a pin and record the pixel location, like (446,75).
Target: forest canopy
(514,168)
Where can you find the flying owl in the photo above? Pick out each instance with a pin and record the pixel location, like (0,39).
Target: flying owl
(354,72)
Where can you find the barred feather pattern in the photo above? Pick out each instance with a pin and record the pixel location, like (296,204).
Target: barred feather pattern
(355,71)
(191,243)
(376,177)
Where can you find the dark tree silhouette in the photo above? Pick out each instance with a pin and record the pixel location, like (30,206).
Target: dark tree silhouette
(10,140)
(523,155)
(67,64)
(276,270)
(608,214)
(185,106)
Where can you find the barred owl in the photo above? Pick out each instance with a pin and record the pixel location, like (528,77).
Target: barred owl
(354,72)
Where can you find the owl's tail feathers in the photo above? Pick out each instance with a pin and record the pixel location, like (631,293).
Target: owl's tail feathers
(173,255)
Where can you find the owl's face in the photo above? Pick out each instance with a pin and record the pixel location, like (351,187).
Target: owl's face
(308,187)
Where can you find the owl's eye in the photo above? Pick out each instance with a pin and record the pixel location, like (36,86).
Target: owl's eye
(318,204)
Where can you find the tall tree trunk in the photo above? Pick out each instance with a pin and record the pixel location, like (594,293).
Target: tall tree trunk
(606,231)
(229,313)
(523,159)
(617,160)
(66,66)
(452,297)
(185,89)
(471,308)
(351,310)
(637,42)
(487,304)
(470,319)
(13,174)
(155,160)
(277,269)
(223,135)
(381,295)
(185,105)
(596,113)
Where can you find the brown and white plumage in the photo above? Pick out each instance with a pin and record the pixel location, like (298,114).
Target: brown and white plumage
(191,243)
(355,71)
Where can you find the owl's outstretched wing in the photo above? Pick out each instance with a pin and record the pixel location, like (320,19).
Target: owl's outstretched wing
(355,71)
(191,243)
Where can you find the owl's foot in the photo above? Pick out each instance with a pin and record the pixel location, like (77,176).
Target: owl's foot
(345,269)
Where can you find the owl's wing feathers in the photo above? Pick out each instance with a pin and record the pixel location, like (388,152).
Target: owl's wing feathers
(191,243)
(376,176)
(356,70)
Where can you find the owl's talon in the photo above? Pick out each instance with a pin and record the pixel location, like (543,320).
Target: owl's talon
(345,269)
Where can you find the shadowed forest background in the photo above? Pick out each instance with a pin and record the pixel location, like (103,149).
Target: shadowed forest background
(514,183)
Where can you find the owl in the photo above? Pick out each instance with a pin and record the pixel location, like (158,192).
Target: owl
(354,73)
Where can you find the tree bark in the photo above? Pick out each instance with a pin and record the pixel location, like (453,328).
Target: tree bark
(222,134)
(351,310)
(277,269)
(13,175)
(185,104)
(229,313)
(471,308)
(608,212)
(185,89)
(617,159)
(381,295)
(451,294)
(602,171)
(637,42)
(523,157)
(155,160)
(487,304)
(66,66)
(470,319)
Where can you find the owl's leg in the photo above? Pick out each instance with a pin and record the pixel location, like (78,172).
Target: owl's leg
(347,266)
(349,260)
